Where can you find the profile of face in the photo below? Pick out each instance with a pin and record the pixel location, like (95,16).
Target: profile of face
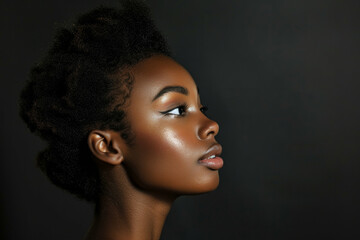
(174,148)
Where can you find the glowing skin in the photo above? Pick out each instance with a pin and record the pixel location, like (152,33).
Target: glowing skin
(169,140)
(174,152)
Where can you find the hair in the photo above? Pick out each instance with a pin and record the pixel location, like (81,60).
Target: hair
(83,84)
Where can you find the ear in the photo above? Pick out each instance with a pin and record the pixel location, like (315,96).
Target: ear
(105,146)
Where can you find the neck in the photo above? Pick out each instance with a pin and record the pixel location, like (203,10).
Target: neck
(131,214)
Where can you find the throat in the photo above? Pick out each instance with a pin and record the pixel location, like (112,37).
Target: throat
(132,218)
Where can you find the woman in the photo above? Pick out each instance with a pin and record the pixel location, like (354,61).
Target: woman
(124,122)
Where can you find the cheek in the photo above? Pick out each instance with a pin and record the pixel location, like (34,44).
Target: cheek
(167,141)
(167,159)
(159,154)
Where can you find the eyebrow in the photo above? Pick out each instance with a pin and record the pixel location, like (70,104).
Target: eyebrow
(167,89)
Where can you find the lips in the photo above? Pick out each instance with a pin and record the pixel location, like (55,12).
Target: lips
(211,158)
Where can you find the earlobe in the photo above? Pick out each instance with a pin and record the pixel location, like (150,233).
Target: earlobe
(105,147)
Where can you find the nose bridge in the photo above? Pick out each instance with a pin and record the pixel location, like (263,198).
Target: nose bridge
(208,128)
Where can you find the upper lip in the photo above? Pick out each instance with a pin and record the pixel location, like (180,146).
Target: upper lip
(215,149)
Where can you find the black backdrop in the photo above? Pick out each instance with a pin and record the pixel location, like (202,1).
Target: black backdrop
(282,79)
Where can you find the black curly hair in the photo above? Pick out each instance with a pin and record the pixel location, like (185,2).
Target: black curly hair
(83,84)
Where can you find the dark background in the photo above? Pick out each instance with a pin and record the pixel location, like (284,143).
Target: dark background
(280,77)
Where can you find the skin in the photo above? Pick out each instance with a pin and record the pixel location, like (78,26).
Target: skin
(142,180)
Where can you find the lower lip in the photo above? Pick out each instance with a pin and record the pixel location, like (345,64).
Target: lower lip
(212,163)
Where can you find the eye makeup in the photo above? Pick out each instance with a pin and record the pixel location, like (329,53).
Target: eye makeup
(177,111)
(182,109)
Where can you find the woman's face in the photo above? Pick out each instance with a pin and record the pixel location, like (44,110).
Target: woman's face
(172,134)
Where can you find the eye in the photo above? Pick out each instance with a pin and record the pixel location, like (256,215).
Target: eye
(204,109)
(178,111)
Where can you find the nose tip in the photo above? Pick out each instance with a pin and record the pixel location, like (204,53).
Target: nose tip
(208,129)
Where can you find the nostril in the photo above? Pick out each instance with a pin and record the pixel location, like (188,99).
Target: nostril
(211,132)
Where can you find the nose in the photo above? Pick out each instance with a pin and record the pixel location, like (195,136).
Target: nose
(208,128)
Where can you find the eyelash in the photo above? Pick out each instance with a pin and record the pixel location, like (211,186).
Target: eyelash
(204,109)
(182,110)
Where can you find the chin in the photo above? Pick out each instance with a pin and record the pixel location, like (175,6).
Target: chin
(204,185)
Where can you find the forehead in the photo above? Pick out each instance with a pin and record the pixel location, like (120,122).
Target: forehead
(153,74)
